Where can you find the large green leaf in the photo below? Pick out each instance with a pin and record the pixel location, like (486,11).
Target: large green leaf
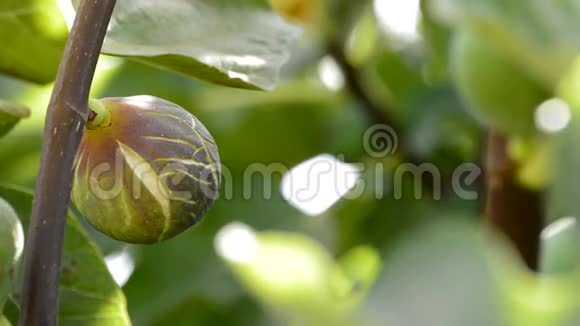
(437,39)
(33,36)
(323,292)
(540,35)
(88,293)
(559,252)
(438,276)
(563,201)
(235,43)
(10,114)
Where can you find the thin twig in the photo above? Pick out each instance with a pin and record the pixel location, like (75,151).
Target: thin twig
(65,121)
(377,113)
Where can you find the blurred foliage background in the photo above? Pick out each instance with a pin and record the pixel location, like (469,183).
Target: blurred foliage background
(363,261)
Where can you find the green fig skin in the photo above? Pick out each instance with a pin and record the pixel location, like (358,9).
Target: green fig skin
(494,89)
(148,174)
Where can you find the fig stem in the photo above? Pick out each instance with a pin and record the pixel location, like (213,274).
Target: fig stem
(99,115)
(62,135)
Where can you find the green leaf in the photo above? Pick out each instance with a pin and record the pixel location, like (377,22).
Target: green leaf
(363,39)
(207,312)
(437,41)
(539,35)
(562,200)
(498,93)
(88,293)
(20,199)
(440,125)
(289,272)
(11,245)
(537,299)
(4,321)
(400,77)
(357,271)
(438,276)
(10,114)
(559,252)
(11,311)
(234,43)
(296,276)
(33,36)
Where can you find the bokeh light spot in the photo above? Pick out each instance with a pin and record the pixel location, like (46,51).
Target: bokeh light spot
(313,186)
(553,116)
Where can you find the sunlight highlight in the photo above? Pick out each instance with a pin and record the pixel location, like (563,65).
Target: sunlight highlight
(330,74)
(68,12)
(237,75)
(234,60)
(553,116)
(286,267)
(236,242)
(399,19)
(18,236)
(315,185)
(121,266)
(146,101)
(558,227)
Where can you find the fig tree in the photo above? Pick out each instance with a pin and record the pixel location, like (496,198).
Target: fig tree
(146,169)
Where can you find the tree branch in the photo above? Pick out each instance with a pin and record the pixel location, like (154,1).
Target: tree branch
(65,121)
(377,113)
(511,208)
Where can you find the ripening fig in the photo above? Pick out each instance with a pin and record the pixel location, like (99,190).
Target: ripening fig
(146,169)
(494,89)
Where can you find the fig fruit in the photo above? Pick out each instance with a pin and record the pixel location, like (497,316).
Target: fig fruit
(495,90)
(146,169)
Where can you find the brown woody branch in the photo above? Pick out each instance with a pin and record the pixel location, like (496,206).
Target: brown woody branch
(65,121)
(511,208)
